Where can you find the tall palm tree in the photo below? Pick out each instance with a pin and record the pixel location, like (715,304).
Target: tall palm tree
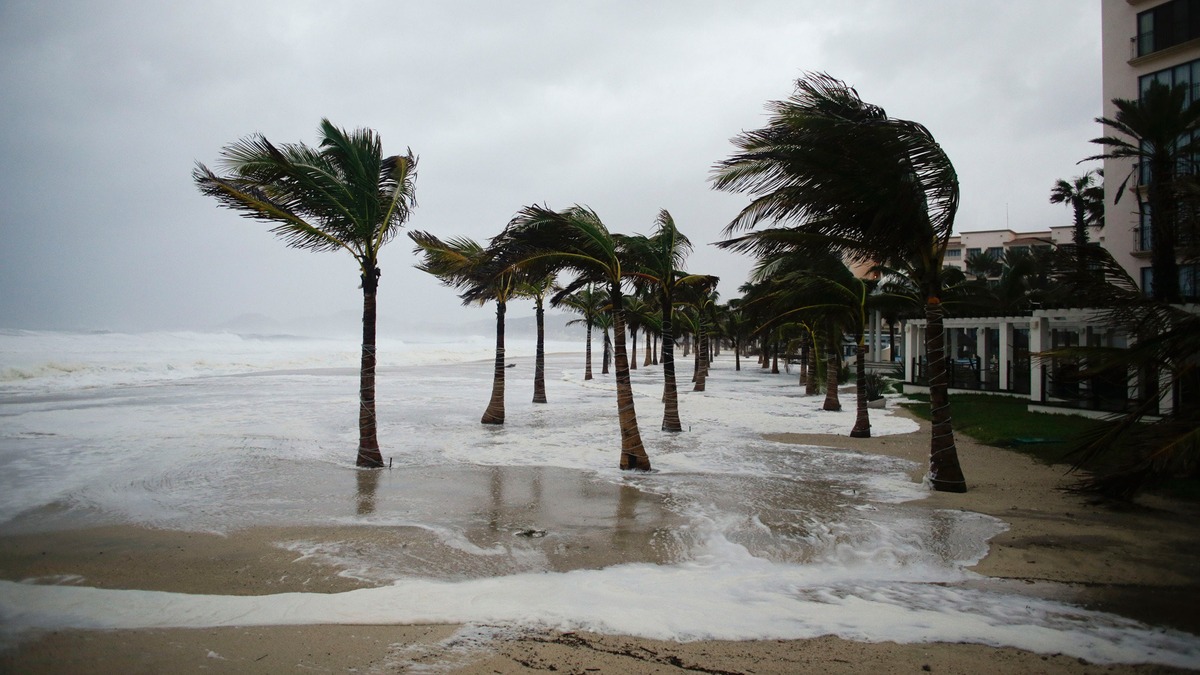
(1086,198)
(1159,133)
(656,262)
(464,264)
(342,195)
(576,240)
(869,187)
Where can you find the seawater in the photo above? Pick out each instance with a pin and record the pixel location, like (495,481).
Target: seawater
(528,524)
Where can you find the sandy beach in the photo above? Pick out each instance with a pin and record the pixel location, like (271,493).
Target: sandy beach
(1139,562)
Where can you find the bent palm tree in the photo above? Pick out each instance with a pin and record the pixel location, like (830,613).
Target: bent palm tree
(464,264)
(343,195)
(576,240)
(871,188)
(656,262)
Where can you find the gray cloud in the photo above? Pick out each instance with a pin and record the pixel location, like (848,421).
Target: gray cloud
(620,105)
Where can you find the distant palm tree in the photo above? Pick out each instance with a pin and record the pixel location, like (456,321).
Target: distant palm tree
(1086,199)
(1159,131)
(576,240)
(818,289)
(865,186)
(538,289)
(637,319)
(464,264)
(343,195)
(588,303)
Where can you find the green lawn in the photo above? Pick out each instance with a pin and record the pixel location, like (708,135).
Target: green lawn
(1005,422)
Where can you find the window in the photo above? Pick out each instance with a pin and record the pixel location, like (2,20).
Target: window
(1183,74)
(1189,281)
(954,253)
(995,252)
(1189,275)
(972,251)
(1167,25)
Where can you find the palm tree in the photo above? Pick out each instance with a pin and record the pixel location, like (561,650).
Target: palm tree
(1141,447)
(342,195)
(464,264)
(656,262)
(576,240)
(537,289)
(819,289)
(871,188)
(1159,132)
(1086,199)
(588,303)
(637,318)
(735,325)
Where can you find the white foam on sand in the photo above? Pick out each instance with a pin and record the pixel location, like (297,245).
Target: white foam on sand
(777,541)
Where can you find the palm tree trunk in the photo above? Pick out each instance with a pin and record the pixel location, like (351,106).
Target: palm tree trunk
(670,392)
(539,364)
(368,444)
(495,409)
(587,368)
(862,420)
(831,376)
(945,474)
(633,453)
(633,349)
(737,355)
(775,358)
(701,360)
(607,353)
(648,349)
(811,385)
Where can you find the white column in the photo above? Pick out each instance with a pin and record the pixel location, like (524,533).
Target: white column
(910,348)
(982,351)
(1039,340)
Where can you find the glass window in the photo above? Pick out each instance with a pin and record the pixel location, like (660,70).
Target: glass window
(1167,25)
(995,251)
(972,251)
(954,253)
(1147,280)
(1188,276)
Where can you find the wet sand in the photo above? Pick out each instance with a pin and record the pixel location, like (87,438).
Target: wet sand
(1141,562)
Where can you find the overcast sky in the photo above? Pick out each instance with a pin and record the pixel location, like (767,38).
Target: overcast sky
(622,106)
